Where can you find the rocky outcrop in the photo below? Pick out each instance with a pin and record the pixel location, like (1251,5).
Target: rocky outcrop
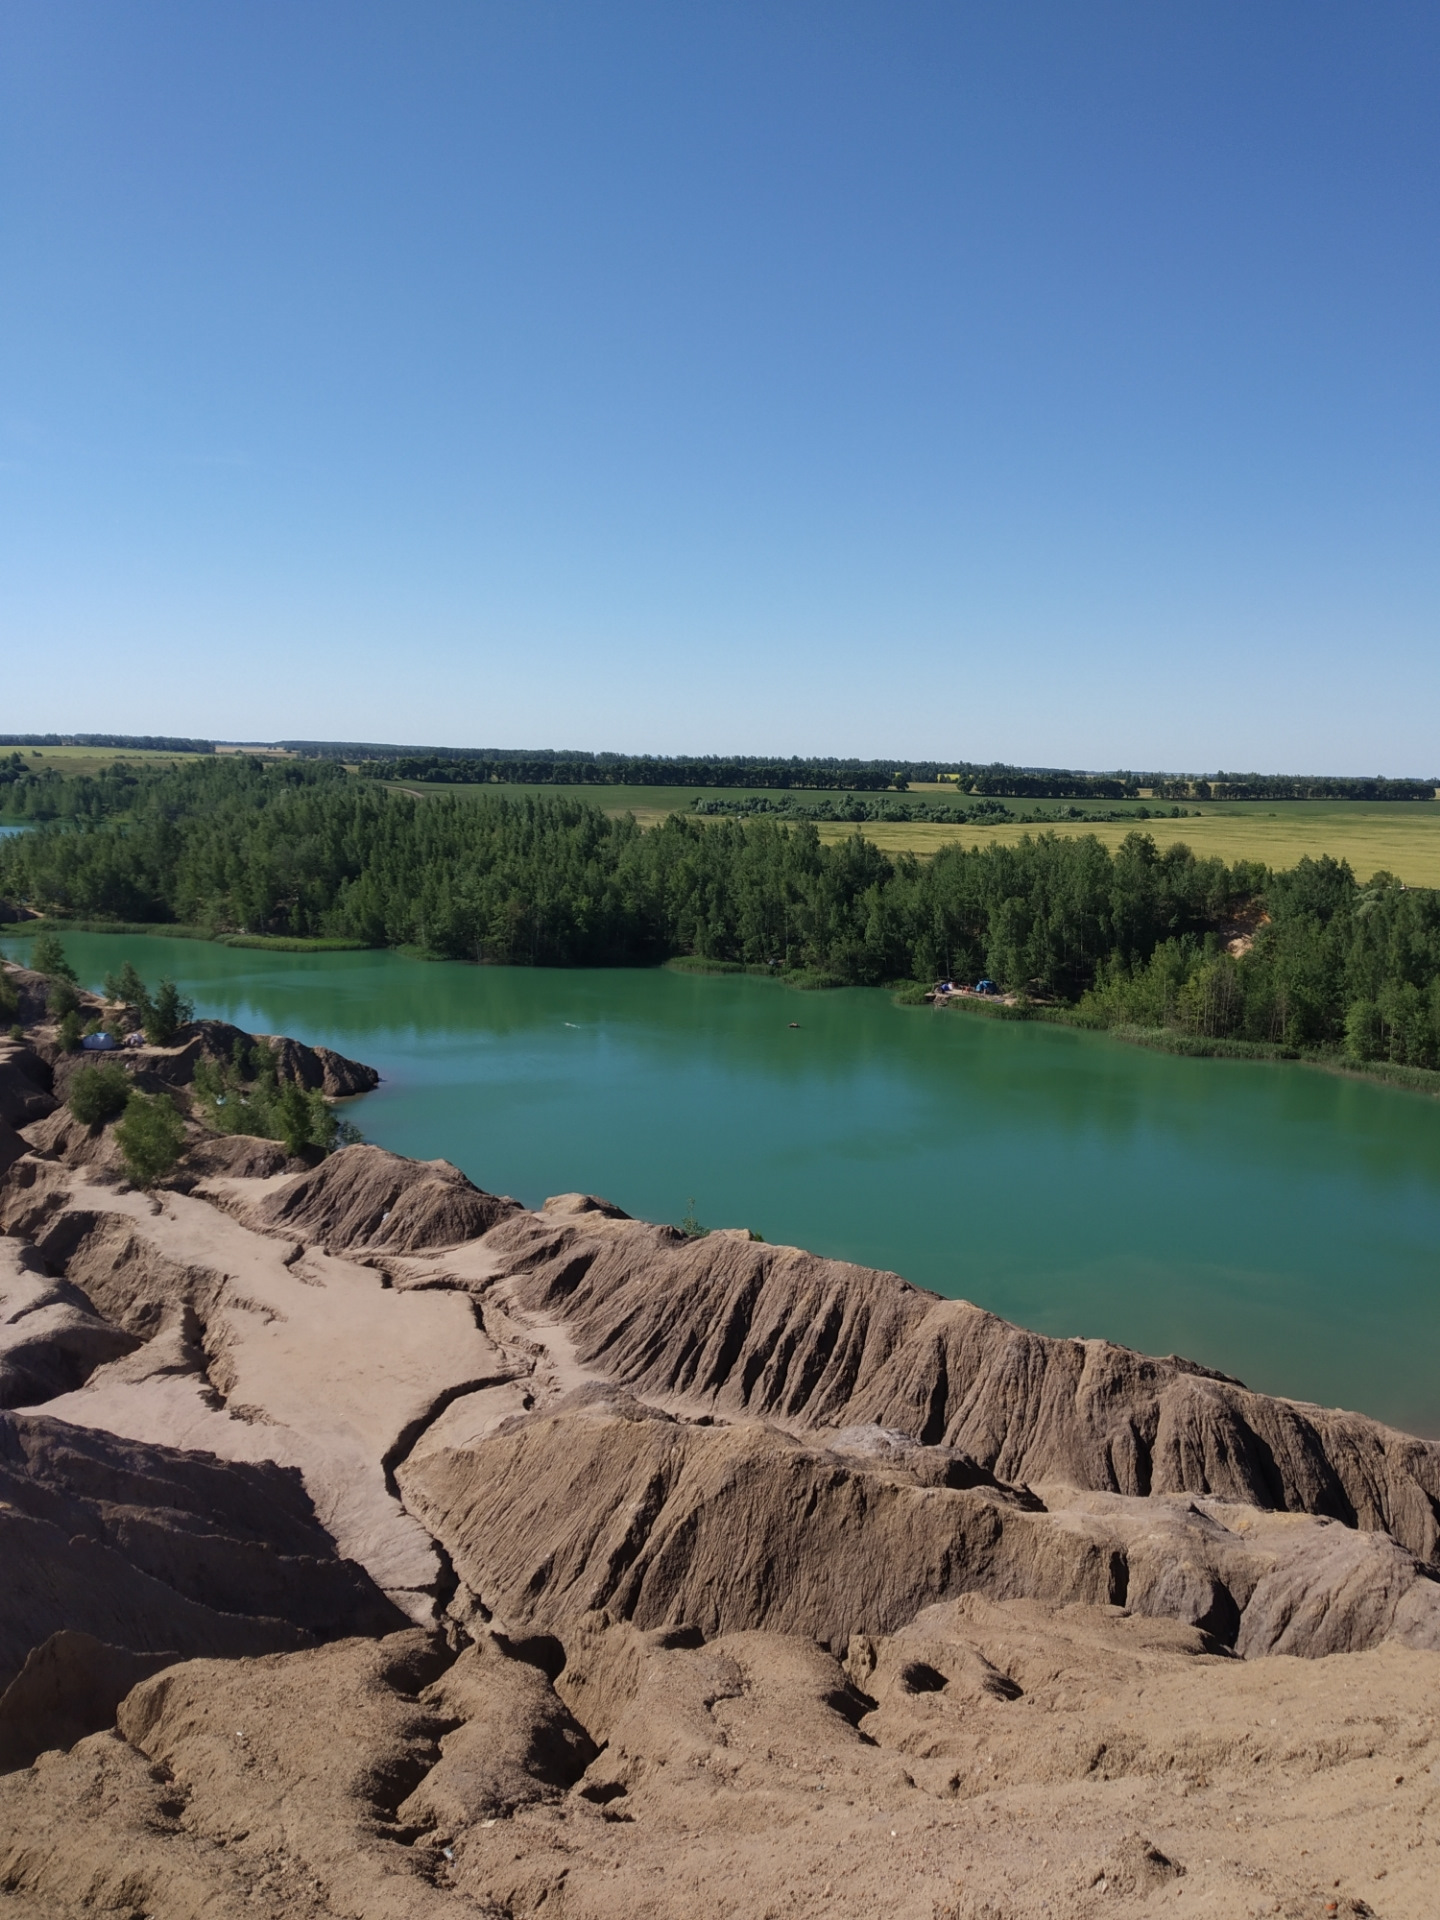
(318,1068)
(124,1273)
(31,989)
(69,1686)
(300,1764)
(174,1066)
(51,1338)
(43,1062)
(63,1137)
(614,1505)
(237,1156)
(26,1083)
(157,1550)
(216,1040)
(773,1332)
(515,1743)
(12,1145)
(365,1197)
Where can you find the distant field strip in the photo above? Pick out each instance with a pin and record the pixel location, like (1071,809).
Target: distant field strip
(73,761)
(1375,838)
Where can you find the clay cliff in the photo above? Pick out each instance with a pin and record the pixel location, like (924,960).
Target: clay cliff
(379,1546)
(772,1331)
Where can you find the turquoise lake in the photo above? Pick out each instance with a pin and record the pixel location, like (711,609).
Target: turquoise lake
(1277,1222)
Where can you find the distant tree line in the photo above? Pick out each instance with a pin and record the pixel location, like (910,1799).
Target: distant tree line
(300,848)
(1281,786)
(859,809)
(487,766)
(134,742)
(850,808)
(1137,937)
(715,771)
(998,781)
(616,770)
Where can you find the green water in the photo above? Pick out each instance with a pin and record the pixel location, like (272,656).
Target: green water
(1277,1222)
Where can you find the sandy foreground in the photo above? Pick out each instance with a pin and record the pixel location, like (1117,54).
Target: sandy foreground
(557,1564)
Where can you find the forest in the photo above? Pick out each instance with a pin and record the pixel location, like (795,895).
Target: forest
(1162,940)
(49,793)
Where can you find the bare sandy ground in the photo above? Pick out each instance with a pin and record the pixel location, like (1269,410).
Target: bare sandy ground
(691,1640)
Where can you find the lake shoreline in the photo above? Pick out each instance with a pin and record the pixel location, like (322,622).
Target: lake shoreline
(1192,1046)
(909,994)
(1275,1225)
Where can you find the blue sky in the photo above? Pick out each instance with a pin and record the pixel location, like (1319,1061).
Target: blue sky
(1047,382)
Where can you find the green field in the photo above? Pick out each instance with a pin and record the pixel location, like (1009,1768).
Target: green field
(1399,837)
(74,761)
(1402,837)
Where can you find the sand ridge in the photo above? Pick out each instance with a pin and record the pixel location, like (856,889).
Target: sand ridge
(737,1582)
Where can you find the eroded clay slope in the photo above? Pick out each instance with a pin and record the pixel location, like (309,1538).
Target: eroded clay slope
(607,1503)
(51,1338)
(989,1762)
(775,1332)
(157,1551)
(366,1197)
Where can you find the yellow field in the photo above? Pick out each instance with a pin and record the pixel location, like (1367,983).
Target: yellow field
(1403,839)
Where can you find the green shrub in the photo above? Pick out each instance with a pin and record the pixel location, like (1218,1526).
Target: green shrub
(691,1226)
(47,956)
(62,999)
(165,1015)
(1364,1036)
(98,1094)
(246,1097)
(912,994)
(127,989)
(17,1032)
(293,1117)
(9,998)
(151,1137)
(69,1033)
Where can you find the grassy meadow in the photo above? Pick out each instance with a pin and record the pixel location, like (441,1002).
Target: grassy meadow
(75,761)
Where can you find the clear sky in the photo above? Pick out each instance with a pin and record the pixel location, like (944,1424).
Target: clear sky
(1048,382)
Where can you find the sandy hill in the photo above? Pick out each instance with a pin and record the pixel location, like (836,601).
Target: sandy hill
(377,1546)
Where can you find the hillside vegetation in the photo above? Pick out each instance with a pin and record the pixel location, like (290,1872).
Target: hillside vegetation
(1135,936)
